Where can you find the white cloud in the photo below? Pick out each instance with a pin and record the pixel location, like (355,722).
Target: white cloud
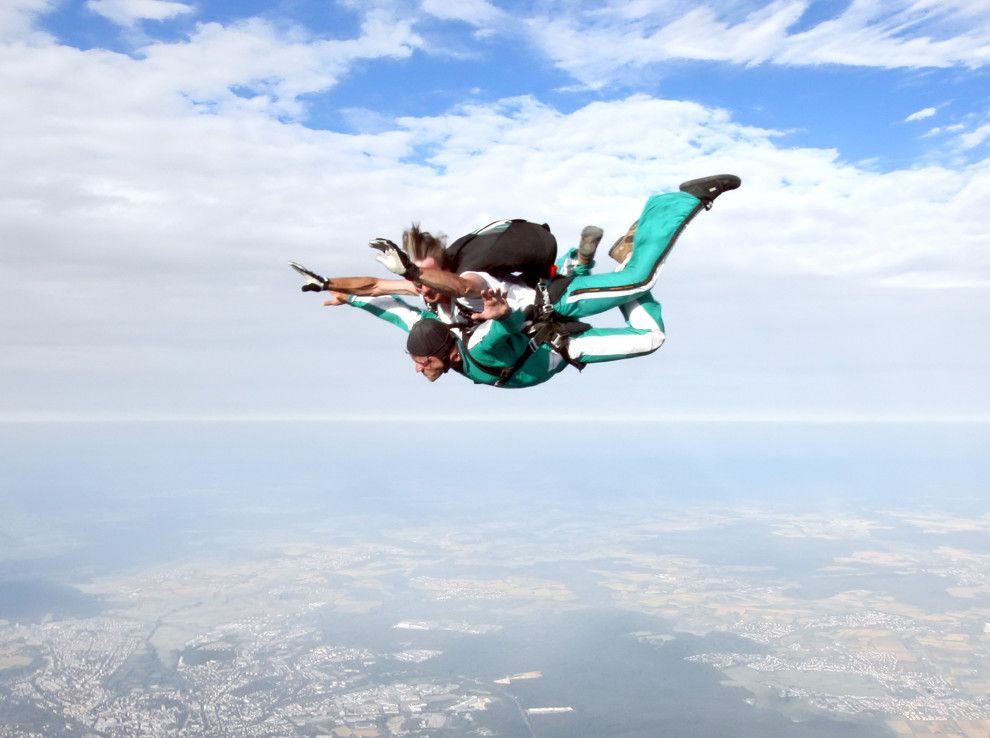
(475,12)
(120,169)
(942,130)
(828,218)
(271,67)
(602,43)
(975,137)
(144,243)
(128,12)
(699,34)
(18,17)
(894,34)
(962,141)
(921,114)
(935,281)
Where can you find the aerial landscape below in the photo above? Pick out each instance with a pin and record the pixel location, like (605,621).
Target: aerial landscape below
(625,617)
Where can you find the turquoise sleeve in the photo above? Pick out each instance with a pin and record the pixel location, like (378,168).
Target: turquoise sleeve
(500,342)
(390,309)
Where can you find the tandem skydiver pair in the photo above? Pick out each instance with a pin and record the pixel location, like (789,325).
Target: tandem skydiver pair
(502,311)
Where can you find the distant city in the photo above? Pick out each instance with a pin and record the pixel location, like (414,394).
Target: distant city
(373,639)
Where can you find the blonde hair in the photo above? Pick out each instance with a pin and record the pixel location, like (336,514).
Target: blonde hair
(422,245)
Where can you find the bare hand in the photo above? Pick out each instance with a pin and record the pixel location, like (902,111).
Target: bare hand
(495,308)
(336,298)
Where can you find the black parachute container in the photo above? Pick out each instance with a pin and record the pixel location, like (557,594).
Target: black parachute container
(506,247)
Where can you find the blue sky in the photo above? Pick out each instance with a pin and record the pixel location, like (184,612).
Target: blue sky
(863,109)
(164,159)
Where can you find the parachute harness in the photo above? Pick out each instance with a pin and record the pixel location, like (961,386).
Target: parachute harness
(546,327)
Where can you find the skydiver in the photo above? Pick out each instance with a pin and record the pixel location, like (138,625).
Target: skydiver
(498,352)
(583,294)
(454,296)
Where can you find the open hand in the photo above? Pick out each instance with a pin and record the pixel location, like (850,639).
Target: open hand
(495,308)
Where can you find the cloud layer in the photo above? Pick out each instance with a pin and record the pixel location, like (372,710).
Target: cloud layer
(604,42)
(149,202)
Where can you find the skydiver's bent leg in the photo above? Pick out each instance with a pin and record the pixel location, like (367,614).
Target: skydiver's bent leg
(567,264)
(580,260)
(662,221)
(642,335)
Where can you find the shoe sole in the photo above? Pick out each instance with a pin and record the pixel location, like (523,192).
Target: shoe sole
(591,236)
(623,247)
(708,188)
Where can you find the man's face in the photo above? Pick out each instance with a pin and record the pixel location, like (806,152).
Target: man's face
(430,296)
(431,367)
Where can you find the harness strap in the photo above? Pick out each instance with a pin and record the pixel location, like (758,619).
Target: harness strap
(508,372)
(492,370)
(548,327)
(553,333)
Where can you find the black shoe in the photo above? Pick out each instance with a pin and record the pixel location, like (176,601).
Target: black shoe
(707,189)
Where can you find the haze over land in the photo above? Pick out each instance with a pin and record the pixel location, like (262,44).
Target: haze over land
(258,582)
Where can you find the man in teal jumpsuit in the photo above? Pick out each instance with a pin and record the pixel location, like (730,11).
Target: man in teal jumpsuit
(497,351)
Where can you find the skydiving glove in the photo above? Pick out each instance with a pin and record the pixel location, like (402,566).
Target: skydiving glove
(395,259)
(314,282)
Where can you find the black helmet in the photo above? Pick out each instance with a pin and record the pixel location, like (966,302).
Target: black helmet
(429,337)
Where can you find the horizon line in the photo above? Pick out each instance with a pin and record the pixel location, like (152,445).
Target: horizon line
(50,418)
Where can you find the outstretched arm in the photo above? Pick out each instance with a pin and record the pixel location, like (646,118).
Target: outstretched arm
(390,309)
(365,286)
(454,285)
(370,286)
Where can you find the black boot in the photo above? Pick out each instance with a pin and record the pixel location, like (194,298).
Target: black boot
(707,189)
